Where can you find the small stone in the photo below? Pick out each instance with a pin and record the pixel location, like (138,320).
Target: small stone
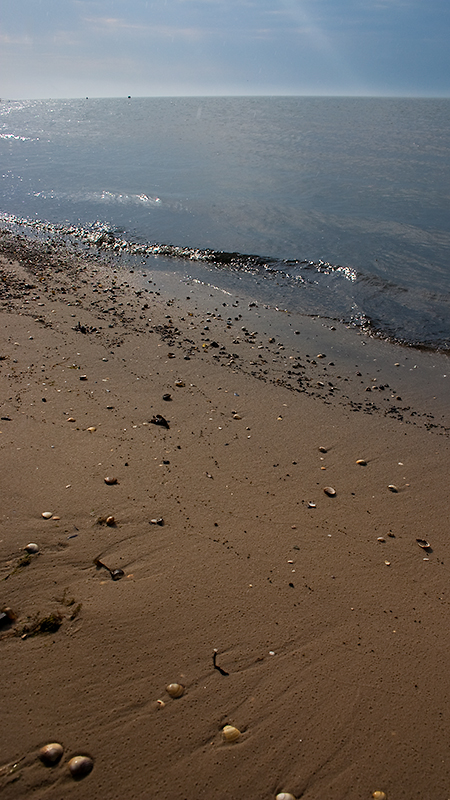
(83,377)
(51,753)
(32,548)
(393,488)
(110,481)
(330,491)
(91,429)
(110,521)
(80,766)
(47,514)
(361,462)
(323,450)
(379,795)
(71,419)
(167,397)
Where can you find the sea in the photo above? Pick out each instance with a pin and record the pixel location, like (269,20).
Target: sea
(330,207)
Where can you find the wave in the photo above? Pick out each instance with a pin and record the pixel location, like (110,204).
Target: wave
(375,306)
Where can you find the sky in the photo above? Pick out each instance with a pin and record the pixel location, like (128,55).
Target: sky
(143,48)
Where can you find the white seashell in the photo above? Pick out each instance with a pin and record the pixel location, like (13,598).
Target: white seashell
(237,416)
(362,462)
(323,450)
(51,753)
(330,491)
(80,766)
(110,481)
(91,429)
(32,548)
(110,521)
(230,733)
(47,514)
(285,796)
(379,795)
(392,488)
(175,689)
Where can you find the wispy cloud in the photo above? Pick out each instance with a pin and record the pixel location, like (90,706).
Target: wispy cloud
(6,38)
(115,26)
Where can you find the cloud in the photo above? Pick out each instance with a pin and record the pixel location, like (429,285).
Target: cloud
(114,26)
(5,38)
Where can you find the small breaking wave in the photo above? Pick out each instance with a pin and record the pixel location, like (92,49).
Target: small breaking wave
(376,307)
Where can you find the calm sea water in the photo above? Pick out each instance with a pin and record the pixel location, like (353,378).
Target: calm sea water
(329,206)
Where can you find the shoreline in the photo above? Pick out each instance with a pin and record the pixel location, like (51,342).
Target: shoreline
(324,611)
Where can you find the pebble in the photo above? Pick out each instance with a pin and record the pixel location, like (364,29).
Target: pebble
(361,462)
(323,450)
(392,488)
(51,753)
(330,491)
(379,795)
(47,514)
(32,548)
(285,796)
(110,481)
(80,766)
(110,521)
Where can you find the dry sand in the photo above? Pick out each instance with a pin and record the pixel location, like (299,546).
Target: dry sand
(328,619)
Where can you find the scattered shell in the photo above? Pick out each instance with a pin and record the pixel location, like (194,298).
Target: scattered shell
(330,491)
(51,753)
(321,355)
(388,563)
(421,542)
(175,689)
(237,416)
(381,539)
(167,396)
(311,505)
(80,766)
(110,481)
(47,514)
(285,796)
(117,574)
(157,521)
(83,377)
(323,450)
(230,733)
(362,462)
(32,548)
(180,383)
(392,488)
(110,521)
(379,795)
(71,419)
(91,429)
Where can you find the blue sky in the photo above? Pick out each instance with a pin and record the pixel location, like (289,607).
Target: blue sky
(96,48)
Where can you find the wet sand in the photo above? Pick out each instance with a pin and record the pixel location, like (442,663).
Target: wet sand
(326,618)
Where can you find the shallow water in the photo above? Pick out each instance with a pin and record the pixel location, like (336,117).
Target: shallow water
(343,203)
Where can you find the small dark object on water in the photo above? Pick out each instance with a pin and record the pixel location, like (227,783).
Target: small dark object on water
(158,419)
(216,666)
(116,574)
(167,396)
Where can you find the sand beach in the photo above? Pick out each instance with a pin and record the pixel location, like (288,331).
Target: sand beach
(230,504)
